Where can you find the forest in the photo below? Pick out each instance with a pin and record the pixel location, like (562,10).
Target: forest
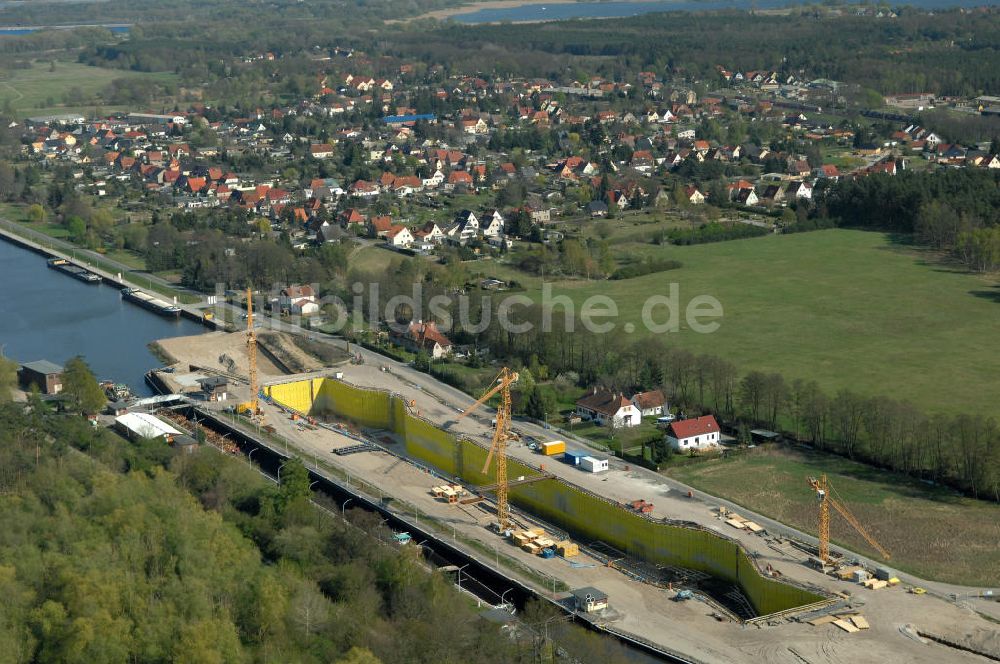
(946,53)
(956,211)
(117,551)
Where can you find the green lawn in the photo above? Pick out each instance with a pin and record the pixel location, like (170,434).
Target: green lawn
(849,309)
(929,532)
(41,91)
(628,439)
(374,258)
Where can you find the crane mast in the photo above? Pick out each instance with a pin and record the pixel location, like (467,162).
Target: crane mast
(501,434)
(252,355)
(822,488)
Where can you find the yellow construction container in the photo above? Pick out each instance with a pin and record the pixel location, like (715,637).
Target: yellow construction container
(567,549)
(535,533)
(554,447)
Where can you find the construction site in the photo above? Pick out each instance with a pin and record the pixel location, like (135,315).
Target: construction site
(686,571)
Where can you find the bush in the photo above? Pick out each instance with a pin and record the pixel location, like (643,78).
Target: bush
(715,232)
(645,267)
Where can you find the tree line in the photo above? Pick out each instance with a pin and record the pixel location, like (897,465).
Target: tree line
(960,450)
(954,210)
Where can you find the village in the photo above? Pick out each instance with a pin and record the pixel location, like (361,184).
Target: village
(418,161)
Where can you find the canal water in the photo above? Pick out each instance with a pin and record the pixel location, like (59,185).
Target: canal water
(45,314)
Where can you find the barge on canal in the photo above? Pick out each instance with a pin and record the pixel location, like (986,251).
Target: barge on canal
(146,300)
(73,270)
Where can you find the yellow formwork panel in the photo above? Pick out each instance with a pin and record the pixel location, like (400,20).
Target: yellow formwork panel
(587,517)
(296,395)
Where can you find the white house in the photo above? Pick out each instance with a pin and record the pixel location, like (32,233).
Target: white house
(650,404)
(695,434)
(605,407)
(421,336)
(434,180)
(492,224)
(293,294)
(800,190)
(429,232)
(304,307)
(465,228)
(399,236)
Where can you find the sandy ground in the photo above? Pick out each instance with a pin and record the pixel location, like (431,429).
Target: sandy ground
(204,350)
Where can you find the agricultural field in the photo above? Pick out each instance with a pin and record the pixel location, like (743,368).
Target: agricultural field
(42,90)
(957,536)
(850,309)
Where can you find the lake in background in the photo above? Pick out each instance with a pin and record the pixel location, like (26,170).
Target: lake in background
(28,31)
(559,12)
(47,315)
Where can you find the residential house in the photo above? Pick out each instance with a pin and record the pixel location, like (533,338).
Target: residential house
(364,189)
(597,209)
(380,226)
(651,403)
(773,195)
(694,196)
(694,434)
(321,150)
(802,190)
(430,232)
(492,225)
(399,237)
(300,300)
(829,171)
(421,336)
(351,216)
(747,197)
(606,407)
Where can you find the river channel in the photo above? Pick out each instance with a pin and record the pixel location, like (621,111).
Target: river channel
(45,314)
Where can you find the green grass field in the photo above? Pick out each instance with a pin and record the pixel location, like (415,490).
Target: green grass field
(41,91)
(850,309)
(956,538)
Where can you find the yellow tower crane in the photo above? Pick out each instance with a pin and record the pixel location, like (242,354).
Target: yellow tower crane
(252,355)
(501,434)
(822,489)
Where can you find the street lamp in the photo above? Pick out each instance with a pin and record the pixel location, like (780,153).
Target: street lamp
(460,575)
(311,484)
(343,508)
(250,456)
(504,594)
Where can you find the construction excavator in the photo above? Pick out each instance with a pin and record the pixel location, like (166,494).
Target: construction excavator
(822,488)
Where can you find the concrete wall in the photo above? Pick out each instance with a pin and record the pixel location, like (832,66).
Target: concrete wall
(586,516)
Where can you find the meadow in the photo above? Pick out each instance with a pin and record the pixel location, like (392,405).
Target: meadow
(849,309)
(42,90)
(956,541)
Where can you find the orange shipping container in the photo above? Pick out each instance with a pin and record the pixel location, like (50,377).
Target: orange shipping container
(554,447)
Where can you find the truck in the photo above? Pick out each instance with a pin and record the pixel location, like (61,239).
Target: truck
(554,447)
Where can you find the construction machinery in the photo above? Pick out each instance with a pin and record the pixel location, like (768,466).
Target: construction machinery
(501,434)
(822,489)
